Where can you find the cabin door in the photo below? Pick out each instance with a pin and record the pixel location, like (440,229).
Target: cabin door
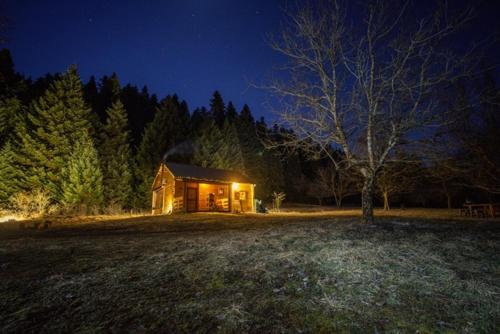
(192,199)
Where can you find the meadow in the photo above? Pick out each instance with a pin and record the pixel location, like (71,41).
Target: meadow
(305,271)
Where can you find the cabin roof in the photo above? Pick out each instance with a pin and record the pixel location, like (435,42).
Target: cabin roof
(205,174)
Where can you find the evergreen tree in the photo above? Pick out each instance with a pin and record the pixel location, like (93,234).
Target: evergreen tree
(7,73)
(37,89)
(91,93)
(115,157)
(217,108)
(207,146)
(230,155)
(10,113)
(231,113)
(141,109)
(260,164)
(269,170)
(92,98)
(82,178)
(109,92)
(250,145)
(168,128)
(198,120)
(218,148)
(10,175)
(54,124)
(11,82)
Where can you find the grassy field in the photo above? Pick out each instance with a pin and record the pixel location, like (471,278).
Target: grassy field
(291,272)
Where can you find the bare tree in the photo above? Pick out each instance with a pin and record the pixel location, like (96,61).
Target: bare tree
(363,77)
(328,182)
(342,183)
(481,142)
(319,187)
(466,154)
(446,174)
(396,178)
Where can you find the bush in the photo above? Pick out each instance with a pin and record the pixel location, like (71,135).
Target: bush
(278,198)
(113,208)
(81,209)
(31,204)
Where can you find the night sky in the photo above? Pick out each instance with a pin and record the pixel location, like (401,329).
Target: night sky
(189,47)
(186,47)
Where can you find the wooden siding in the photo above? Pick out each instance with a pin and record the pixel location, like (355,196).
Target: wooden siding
(169,194)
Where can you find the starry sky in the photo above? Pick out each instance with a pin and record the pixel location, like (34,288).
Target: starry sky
(188,47)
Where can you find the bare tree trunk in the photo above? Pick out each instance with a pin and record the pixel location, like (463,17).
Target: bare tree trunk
(386,201)
(338,200)
(367,200)
(447,194)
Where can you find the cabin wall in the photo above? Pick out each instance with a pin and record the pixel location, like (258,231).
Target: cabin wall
(242,197)
(163,192)
(179,200)
(168,196)
(220,193)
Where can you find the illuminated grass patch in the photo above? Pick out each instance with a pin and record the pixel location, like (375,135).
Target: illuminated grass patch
(222,273)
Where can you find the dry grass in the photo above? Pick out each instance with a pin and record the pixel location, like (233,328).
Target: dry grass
(302,272)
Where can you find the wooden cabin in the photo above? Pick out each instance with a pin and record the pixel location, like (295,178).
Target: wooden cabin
(188,188)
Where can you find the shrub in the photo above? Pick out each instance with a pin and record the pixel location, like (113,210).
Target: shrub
(81,209)
(113,208)
(278,198)
(30,204)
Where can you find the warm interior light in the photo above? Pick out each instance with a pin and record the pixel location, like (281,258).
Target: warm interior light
(235,186)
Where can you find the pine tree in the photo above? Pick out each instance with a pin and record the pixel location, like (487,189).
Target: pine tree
(230,155)
(217,108)
(10,113)
(92,98)
(268,171)
(82,178)
(260,164)
(168,128)
(10,175)
(11,83)
(115,157)
(141,109)
(218,148)
(207,146)
(251,147)
(231,113)
(7,73)
(198,119)
(54,124)
(109,92)
(91,93)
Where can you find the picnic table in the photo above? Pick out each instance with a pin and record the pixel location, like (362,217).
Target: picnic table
(480,209)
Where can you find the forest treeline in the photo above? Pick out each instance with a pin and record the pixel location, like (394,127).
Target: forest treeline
(96,146)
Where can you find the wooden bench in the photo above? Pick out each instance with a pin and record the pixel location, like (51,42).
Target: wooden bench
(482,210)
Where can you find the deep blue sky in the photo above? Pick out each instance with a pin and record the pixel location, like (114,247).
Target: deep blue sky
(189,47)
